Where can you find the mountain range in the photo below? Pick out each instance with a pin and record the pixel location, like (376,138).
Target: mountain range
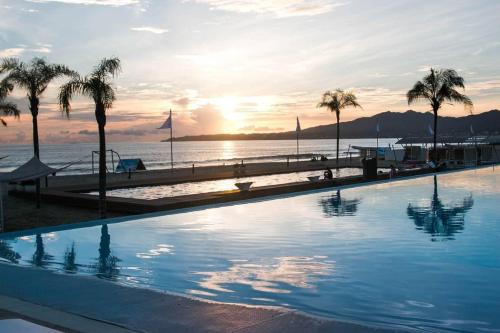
(391,124)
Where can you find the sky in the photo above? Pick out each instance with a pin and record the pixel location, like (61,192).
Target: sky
(231,66)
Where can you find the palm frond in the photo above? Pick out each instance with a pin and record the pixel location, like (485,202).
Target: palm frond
(66,92)
(348,99)
(9,109)
(337,100)
(418,92)
(8,64)
(452,79)
(107,66)
(5,88)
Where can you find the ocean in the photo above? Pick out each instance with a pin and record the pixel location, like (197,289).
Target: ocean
(156,155)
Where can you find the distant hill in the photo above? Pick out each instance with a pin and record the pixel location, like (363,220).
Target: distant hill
(392,125)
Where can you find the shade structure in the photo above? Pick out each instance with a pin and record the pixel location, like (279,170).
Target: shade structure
(130,164)
(33,169)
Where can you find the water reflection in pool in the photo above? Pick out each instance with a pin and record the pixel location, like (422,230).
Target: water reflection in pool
(337,205)
(441,221)
(356,254)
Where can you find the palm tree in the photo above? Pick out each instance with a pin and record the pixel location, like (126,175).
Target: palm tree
(437,87)
(336,101)
(97,86)
(7,108)
(33,77)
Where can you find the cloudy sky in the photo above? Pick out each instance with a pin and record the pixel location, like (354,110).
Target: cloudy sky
(247,66)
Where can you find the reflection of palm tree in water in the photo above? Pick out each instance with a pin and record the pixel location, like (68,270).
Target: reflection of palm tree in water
(438,219)
(70,260)
(6,252)
(338,206)
(106,266)
(40,258)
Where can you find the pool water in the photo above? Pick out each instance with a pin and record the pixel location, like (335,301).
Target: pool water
(422,253)
(161,191)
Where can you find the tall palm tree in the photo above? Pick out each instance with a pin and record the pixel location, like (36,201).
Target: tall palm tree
(97,85)
(436,88)
(336,101)
(33,77)
(7,108)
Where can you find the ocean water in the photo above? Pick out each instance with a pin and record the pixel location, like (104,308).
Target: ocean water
(420,254)
(156,155)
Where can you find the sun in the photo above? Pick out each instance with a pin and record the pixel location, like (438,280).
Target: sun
(228,107)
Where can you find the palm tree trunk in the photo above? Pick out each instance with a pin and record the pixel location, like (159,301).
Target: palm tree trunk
(434,153)
(36,148)
(338,138)
(101,123)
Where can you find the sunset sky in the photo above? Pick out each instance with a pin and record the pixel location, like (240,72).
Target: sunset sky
(247,66)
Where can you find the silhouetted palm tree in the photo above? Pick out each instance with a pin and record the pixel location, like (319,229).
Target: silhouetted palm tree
(438,220)
(96,85)
(33,77)
(436,88)
(107,264)
(7,108)
(336,101)
(338,206)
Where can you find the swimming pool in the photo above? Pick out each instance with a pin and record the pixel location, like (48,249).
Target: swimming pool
(161,191)
(422,253)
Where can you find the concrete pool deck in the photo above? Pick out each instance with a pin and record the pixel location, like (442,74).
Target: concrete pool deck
(89,304)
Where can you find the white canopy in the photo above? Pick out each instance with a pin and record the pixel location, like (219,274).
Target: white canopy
(33,169)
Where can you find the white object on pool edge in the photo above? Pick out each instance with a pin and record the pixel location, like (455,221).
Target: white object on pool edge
(244,186)
(313,178)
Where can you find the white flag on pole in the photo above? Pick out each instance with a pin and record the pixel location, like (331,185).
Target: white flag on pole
(378,127)
(298,125)
(167,124)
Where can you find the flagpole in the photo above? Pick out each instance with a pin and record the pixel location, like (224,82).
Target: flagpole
(171,143)
(297,130)
(297,146)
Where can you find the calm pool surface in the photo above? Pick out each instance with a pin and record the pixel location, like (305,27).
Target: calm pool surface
(422,253)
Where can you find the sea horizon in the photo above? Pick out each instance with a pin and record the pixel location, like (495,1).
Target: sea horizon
(156,155)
